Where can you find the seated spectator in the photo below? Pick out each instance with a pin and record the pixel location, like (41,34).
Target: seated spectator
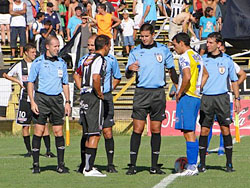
(5,20)
(73,22)
(17,26)
(36,28)
(45,32)
(127,26)
(52,16)
(207,26)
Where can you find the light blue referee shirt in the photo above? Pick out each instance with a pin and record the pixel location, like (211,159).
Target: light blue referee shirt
(112,70)
(152,64)
(51,75)
(220,68)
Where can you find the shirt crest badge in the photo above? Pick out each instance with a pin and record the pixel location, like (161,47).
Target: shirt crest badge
(222,69)
(159,57)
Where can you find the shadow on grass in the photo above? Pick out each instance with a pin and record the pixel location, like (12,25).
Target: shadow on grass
(49,168)
(208,167)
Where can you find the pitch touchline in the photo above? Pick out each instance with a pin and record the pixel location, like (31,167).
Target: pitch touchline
(170,178)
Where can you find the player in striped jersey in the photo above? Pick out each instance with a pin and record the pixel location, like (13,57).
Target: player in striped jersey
(193,76)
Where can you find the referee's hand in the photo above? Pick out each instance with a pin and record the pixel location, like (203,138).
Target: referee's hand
(34,108)
(67,108)
(134,67)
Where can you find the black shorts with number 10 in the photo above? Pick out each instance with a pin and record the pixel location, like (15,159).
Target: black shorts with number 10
(149,101)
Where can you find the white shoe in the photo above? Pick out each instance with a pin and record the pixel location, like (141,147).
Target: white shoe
(94,173)
(189,172)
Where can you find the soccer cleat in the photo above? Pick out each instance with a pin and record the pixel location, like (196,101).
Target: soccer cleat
(49,154)
(111,169)
(29,154)
(61,169)
(93,173)
(131,170)
(36,168)
(221,152)
(190,172)
(202,168)
(156,170)
(230,168)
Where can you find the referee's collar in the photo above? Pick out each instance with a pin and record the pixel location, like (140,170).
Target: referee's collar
(54,58)
(149,46)
(215,56)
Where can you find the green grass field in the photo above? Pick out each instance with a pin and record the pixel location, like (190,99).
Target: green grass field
(15,170)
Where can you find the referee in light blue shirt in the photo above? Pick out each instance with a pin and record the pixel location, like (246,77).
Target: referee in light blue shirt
(149,60)
(50,72)
(215,100)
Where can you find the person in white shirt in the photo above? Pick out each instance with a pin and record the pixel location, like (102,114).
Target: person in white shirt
(36,28)
(127,26)
(138,13)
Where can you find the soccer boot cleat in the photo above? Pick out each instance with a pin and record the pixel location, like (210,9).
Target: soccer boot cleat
(61,169)
(202,168)
(191,170)
(49,154)
(36,168)
(93,173)
(156,170)
(230,168)
(131,170)
(111,168)
(29,154)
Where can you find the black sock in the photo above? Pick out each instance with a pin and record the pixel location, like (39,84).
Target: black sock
(60,146)
(26,140)
(109,146)
(203,149)
(46,140)
(228,145)
(90,158)
(83,148)
(155,148)
(135,142)
(36,144)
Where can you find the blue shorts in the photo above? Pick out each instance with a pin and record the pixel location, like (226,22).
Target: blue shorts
(128,41)
(186,113)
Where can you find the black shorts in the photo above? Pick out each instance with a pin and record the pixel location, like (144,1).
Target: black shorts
(91,114)
(218,105)
(149,101)
(24,114)
(49,106)
(108,110)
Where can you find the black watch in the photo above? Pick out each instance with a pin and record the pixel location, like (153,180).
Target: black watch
(68,102)
(237,98)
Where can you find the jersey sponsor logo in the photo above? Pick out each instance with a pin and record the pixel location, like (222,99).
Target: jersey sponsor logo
(159,57)
(222,69)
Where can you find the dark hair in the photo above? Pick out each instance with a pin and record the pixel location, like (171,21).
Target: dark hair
(217,36)
(147,27)
(101,41)
(39,15)
(48,22)
(84,14)
(207,10)
(78,8)
(182,37)
(49,39)
(102,6)
(28,46)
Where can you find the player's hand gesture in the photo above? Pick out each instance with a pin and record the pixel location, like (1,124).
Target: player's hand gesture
(134,67)
(34,108)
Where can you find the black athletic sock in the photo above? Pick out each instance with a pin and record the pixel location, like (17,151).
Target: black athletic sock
(60,146)
(203,149)
(155,148)
(26,140)
(83,148)
(109,146)
(228,145)
(46,140)
(36,144)
(135,142)
(90,158)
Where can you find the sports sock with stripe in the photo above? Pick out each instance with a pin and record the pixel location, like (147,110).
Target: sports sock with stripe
(135,142)
(26,140)
(203,149)
(60,147)
(90,158)
(46,140)
(155,148)
(228,144)
(36,144)
(109,146)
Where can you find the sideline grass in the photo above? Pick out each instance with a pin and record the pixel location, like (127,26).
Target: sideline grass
(15,170)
